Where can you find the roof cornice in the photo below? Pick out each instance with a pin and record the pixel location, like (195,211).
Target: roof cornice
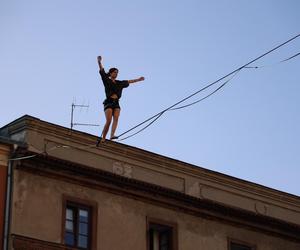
(30,123)
(100,179)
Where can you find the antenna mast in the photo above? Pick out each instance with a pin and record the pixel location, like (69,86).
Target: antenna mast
(73,106)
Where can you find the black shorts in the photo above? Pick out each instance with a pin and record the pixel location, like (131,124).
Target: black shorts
(111,103)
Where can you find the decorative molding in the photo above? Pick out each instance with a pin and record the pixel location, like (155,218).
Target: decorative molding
(261,208)
(122,169)
(99,179)
(201,187)
(81,139)
(194,190)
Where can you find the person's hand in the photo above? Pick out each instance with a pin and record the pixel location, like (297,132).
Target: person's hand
(141,78)
(99,58)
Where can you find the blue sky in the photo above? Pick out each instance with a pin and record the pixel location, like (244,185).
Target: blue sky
(250,129)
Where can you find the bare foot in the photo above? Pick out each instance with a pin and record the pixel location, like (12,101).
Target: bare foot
(102,140)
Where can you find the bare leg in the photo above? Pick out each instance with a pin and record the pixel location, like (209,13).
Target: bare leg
(108,116)
(116,115)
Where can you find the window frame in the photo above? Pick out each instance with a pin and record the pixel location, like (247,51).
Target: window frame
(240,242)
(77,203)
(171,225)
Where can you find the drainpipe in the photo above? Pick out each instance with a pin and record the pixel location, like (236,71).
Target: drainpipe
(7,205)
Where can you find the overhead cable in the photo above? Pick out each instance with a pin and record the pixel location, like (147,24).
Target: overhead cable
(209,85)
(271,65)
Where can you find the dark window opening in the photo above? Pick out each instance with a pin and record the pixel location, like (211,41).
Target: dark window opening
(78,226)
(160,237)
(237,246)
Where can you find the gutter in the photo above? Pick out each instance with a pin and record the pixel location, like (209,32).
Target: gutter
(7,215)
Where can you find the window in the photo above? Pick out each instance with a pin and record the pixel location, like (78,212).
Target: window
(236,245)
(161,235)
(77,226)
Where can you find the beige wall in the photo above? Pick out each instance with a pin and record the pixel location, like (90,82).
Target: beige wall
(156,169)
(145,166)
(37,213)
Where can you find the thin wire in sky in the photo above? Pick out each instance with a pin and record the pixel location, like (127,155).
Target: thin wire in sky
(156,116)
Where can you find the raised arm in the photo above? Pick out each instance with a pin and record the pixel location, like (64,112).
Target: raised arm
(136,80)
(99,59)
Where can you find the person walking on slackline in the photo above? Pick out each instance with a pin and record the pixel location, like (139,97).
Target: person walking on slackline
(113,92)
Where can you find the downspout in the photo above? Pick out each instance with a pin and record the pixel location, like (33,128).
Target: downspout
(7,215)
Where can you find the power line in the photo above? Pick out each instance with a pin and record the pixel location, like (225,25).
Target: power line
(202,89)
(203,98)
(221,86)
(290,57)
(158,115)
(273,64)
(184,106)
(46,151)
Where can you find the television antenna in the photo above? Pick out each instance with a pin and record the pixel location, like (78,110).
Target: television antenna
(73,106)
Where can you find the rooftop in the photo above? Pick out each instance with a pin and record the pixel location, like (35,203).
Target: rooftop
(58,150)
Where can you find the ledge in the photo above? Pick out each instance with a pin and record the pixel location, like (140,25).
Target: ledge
(110,182)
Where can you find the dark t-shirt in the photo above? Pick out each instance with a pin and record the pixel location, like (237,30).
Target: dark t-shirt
(112,87)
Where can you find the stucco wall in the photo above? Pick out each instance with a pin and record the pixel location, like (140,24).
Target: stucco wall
(159,170)
(79,147)
(37,213)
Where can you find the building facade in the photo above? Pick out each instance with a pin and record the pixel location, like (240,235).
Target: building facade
(65,193)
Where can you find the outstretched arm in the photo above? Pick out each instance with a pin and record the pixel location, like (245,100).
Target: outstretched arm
(136,80)
(99,59)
